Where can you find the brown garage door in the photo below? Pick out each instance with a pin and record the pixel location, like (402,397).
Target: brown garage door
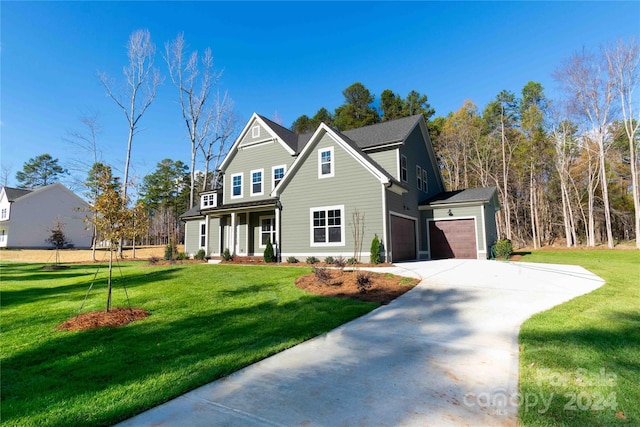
(453,239)
(403,239)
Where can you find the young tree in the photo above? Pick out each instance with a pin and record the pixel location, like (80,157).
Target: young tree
(141,83)
(624,68)
(39,171)
(57,238)
(194,77)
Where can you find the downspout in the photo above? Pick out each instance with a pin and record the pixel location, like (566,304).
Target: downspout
(385,186)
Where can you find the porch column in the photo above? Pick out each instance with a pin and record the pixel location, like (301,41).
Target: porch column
(277,225)
(206,235)
(232,234)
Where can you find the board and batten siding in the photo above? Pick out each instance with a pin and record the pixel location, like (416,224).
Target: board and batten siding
(352,186)
(462,212)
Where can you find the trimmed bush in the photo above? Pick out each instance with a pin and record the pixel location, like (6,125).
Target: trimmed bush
(226,255)
(312,260)
(269,255)
(292,260)
(201,254)
(374,257)
(328,260)
(182,256)
(503,249)
(352,261)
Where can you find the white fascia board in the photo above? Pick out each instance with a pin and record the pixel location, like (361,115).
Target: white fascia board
(451,205)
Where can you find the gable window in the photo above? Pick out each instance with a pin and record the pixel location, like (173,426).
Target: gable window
(236,187)
(256,182)
(403,168)
(419,177)
(255,131)
(425,185)
(325,163)
(278,174)
(209,200)
(4,213)
(267,230)
(327,226)
(203,234)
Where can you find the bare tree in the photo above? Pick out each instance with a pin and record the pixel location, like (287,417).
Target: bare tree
(194,76)
(85,143)
(222,128)
(624,68)
(4,174)
(584,78)
(141,82)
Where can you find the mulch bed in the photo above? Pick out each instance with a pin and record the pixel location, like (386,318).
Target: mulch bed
(99,319)
(343,283)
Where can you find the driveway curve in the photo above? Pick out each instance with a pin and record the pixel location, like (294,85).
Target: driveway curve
(443,354)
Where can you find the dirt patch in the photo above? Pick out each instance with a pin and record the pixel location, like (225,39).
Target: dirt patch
(383,287)
(99,319)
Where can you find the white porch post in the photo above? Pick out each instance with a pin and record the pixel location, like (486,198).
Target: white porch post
(232,234)
(277,225)
(206,233)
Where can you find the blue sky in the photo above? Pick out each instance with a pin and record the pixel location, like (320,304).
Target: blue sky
(289,57)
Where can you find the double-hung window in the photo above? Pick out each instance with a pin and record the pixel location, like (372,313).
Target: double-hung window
(4,213)
(267,230)
(236,185)
(326,167)
(403,168)
(256,182)
(327,226)
(425,185)
(419,177)
(203,234)
(278,174)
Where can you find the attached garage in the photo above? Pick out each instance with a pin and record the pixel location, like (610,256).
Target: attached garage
(453,239)
(403,238)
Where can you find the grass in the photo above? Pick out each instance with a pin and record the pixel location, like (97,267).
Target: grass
(584,356)
(206,322)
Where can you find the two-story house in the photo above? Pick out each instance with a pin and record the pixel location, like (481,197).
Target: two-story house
(302,191)
(28,216)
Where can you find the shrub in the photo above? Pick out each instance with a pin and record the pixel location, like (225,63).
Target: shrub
(339,262)
(292,260)
(322,274)
(269,255)
(363,281)
(312,260)
(170,250)
(352,261)
(329,260)
(503,249)
(226,255)
(153,260)
(182,256)
(201,254)
(375,250)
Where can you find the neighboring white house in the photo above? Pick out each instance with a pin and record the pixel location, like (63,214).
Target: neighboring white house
(28,216)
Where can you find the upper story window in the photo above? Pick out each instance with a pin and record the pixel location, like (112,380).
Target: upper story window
(256,182)
(403,168)
(255,131)
(325,162)
(327,226)
(425,185)
(209,200)
(236,185)
(278,174)
(4,213)
(419,177)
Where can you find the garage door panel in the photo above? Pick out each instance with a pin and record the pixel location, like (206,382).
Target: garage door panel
(403,238)
(453,239)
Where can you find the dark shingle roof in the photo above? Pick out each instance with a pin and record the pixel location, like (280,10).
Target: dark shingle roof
(15,193)
(383,133)
(462,196)
(289,137)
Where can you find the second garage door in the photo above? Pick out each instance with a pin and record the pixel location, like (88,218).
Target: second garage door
(453,239)
(403,239)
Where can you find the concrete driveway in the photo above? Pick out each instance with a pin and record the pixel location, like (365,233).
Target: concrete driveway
(443,354)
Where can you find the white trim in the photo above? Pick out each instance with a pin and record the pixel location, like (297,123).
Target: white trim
(332,163)
(255,131)
(382,147)
(272,233)
(200,235)
(342,241)
(273,171)
(425,182)
(484,230)
(406,168)
(419,177)
(253,144)
(385,224)
(261,171)
(241,175)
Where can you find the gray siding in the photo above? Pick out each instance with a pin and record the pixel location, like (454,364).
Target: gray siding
(214,236)
(460,213)
(192,236)
(388,159)
(249,139)
(351,186)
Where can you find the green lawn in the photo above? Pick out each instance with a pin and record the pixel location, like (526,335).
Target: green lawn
(206,321)
(584,356)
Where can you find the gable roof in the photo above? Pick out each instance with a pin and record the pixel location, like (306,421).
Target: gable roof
(289,137)
(15,193)
(483,194)
(393,131)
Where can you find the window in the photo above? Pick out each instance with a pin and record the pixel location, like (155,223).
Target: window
(209,200)
(278,174)
(236,190)
(325,163)
(419,177)
(256,182)
(255,131)
(267,230)
(327,227)
(403,168)
(203,234)
(425,185)
(4,213)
